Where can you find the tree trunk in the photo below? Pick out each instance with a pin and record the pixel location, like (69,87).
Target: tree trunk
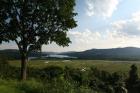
(23,67)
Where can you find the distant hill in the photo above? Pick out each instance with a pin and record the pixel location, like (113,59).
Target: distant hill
(14,54)
(127,53)
(10,53)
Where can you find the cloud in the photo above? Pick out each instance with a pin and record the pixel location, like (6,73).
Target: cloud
(85,36)
(121,33)
(10,45)
(88,39)
(103,8)
(81,40)
(128,27)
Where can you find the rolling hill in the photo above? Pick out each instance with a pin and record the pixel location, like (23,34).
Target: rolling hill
(127,53)
(14,53)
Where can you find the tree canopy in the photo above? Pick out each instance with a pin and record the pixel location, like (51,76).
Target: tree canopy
(32,23)
(36,22)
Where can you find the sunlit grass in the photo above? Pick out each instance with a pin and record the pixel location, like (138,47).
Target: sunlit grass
(110,66)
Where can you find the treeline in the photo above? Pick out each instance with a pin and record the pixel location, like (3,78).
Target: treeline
(13,54)
(54,79)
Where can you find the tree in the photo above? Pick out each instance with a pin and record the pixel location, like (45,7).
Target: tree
(32,23)
(133,75)
(133,79)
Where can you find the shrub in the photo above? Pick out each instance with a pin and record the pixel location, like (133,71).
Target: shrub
(31,86)
(52,72)
(133,82)
(73,75)
(9,86)
(3,66)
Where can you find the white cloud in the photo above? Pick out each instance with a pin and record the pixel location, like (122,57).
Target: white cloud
(87,39)
(121,33)
(84,37)
(10,45)
(103,8)
(128,27)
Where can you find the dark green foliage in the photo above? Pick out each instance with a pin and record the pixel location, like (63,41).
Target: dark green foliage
(32,23)
(133,74)
(54,79)
(3,65)
(133,83)
(116,79)
(107,82)
(74,75)
(10,54)
(35,22)
(7,71)
(13,54)
(3,61)
(52,72)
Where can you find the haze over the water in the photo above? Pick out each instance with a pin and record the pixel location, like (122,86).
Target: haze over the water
(101,24)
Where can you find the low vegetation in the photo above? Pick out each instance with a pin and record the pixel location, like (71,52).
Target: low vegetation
(74,76)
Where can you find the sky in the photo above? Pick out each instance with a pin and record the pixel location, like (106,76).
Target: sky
(101,24)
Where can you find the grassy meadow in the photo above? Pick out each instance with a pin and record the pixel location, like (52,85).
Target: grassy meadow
(109,66)
(68,76)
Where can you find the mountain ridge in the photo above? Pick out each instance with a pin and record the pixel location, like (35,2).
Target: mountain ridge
(126,53)
(130,53)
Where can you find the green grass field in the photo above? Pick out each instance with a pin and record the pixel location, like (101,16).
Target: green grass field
(60,84)
(110,66)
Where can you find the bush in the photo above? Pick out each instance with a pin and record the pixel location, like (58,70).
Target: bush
(3,61)
(3,66)
(133,82)
(54,79)
(9,86)
(73,75)
(31,86)
(52,72)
